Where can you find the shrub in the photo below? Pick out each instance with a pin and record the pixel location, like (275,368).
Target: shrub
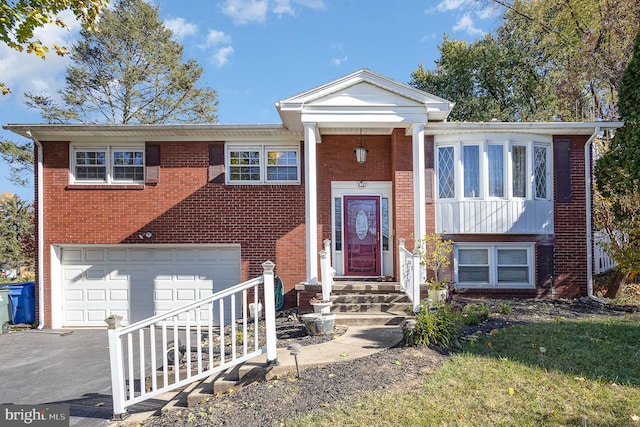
(473,314)
(435,327)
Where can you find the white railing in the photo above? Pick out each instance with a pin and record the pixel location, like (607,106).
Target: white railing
(410,274)
(601,258)
(190,343)
(326,270)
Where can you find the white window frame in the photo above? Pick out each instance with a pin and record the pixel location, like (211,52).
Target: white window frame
(548,172)
(492,249)
(483,142)
(456,184)
(262,150)
(109,151)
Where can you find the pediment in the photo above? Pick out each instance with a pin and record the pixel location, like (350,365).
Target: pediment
(363,97)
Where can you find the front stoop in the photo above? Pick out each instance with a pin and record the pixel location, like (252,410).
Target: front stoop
(365,303)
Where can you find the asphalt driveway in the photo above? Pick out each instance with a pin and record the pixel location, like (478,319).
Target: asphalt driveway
(68,367)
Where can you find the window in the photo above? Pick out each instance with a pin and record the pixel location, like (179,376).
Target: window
(512,266)
(496,170)
(473,266)
(540,171)
(446,175)
(109,165)
(385,224)
(484,169)
(128,166)
(338,223)
(471,164)
(90,165)
(262,164)
(498,265)
(519,170)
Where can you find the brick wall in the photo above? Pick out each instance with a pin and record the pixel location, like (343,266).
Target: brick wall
(570,221)
(266,220)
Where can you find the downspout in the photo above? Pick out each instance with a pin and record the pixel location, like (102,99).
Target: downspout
(40,209)
(588,191)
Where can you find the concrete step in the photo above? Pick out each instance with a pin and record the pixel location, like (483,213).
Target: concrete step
(369,298)
(370,308)
(371,319)
(342,287)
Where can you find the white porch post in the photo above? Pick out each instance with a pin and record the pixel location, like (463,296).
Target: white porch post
(311,201)
(419,186)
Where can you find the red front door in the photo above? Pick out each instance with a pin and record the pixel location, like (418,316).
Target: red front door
(362,236)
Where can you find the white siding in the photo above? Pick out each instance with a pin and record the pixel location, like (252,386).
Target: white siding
(494,216)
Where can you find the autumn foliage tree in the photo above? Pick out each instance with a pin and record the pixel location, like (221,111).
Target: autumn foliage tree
(20,19)
(618,179)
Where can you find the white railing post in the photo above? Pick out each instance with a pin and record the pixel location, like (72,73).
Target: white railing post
(401,260)
(417,278)
(117,367)
(326,269)
(270,312)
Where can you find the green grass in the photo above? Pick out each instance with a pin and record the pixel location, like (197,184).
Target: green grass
(563,373)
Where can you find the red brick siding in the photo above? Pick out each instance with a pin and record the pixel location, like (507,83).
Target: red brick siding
(266,220)
(570,221)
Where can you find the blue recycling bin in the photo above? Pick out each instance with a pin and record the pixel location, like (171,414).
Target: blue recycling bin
(22,302)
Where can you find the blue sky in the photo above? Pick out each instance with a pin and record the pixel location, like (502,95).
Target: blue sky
(257,52)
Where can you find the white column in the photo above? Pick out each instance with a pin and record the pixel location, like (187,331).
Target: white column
(419,186)
(311,201)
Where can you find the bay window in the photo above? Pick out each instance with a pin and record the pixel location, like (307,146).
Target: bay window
(480,171)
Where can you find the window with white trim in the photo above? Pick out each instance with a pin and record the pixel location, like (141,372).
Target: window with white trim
(262,164)
(107,165)
(494,265)
(493,170)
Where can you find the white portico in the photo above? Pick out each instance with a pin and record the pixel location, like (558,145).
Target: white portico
(361,102)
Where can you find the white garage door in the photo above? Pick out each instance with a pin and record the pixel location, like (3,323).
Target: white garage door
(137,283)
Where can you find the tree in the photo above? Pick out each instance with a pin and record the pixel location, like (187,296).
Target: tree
(487,80)
(618,177)
(548,60)
(16,232)
(127,69)
(20,160)
(19,19)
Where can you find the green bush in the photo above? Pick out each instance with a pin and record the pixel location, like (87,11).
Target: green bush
(435,327)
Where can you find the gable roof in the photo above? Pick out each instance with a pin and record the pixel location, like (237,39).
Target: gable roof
(362,98)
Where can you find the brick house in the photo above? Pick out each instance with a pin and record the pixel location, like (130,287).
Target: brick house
(136,219)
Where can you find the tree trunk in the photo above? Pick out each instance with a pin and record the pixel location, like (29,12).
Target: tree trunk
(615,283)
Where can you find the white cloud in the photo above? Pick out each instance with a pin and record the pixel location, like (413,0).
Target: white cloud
(24,72)
(217,38)
(489,12)
(287,6)
(221,57)
(339,61)
(446,5)
(180,27)
(467,25)
(245,11)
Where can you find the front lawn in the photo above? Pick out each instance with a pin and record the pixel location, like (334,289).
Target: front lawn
(561,373)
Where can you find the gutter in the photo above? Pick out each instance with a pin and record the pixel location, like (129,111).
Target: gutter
(588,189)
(40,237)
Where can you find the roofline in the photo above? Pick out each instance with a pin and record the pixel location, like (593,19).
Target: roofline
(207,131)
(549,128)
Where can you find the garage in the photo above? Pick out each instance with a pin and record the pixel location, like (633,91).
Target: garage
(139,282)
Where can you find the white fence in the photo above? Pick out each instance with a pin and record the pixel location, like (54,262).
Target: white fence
(410,274)
(190,343)
(601,258)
